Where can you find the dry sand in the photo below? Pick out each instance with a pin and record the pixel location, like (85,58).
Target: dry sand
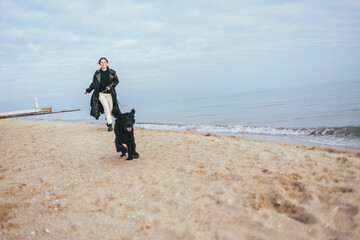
(66,181)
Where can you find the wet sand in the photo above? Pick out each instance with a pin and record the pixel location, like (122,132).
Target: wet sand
(66,181)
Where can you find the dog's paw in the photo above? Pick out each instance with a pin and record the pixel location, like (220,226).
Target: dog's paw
(123,155)
(136,155)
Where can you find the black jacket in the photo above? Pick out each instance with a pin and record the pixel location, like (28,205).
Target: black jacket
(96,107)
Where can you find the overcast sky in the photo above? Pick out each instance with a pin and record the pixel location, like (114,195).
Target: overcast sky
(176,48)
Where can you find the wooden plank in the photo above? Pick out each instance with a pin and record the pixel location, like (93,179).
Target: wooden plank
(34,111)
(29,112)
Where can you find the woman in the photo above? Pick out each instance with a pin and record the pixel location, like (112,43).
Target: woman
(103,84)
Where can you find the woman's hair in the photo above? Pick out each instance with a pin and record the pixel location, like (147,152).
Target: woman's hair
(104,59)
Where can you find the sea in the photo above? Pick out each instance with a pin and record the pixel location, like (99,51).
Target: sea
(325,115)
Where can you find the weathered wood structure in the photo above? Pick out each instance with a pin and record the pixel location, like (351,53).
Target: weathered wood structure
(29,112)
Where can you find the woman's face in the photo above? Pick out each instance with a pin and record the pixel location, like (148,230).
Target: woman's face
(103,64)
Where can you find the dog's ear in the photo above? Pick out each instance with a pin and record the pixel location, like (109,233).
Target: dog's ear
(133,111)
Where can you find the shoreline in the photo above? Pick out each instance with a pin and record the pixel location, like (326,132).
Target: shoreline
(66,180)
(320,141)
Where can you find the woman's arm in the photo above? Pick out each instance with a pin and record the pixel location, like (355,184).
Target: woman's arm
(92,86)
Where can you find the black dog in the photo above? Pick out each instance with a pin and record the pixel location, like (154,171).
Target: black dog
(124,132)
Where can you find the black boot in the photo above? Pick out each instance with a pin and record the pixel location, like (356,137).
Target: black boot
(110,128)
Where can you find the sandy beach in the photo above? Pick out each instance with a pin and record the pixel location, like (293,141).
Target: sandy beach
(66,181)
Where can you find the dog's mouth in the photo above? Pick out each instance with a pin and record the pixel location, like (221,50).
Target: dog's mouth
(129,129)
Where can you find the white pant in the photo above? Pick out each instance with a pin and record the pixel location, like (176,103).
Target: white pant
(107,103)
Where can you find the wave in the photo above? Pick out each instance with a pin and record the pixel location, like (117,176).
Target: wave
(348,131)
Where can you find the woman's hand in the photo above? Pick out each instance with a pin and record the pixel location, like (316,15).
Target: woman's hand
(85,92)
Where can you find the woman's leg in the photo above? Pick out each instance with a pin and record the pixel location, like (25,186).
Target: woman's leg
(110,101)
(104,101)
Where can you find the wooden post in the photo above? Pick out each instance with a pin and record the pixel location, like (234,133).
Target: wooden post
(36,103)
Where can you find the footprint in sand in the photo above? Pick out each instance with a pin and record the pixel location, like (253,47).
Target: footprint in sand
(7,213)
(1,171)
(341,160)
(281,205)
(293,187)
(342,217)
(336,190)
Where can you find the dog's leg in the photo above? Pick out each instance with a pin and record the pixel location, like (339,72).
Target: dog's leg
(136,154)
(120,147)
(131,148)
(130,152)
(123,151)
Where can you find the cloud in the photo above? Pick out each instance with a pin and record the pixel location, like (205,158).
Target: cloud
(179,44)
